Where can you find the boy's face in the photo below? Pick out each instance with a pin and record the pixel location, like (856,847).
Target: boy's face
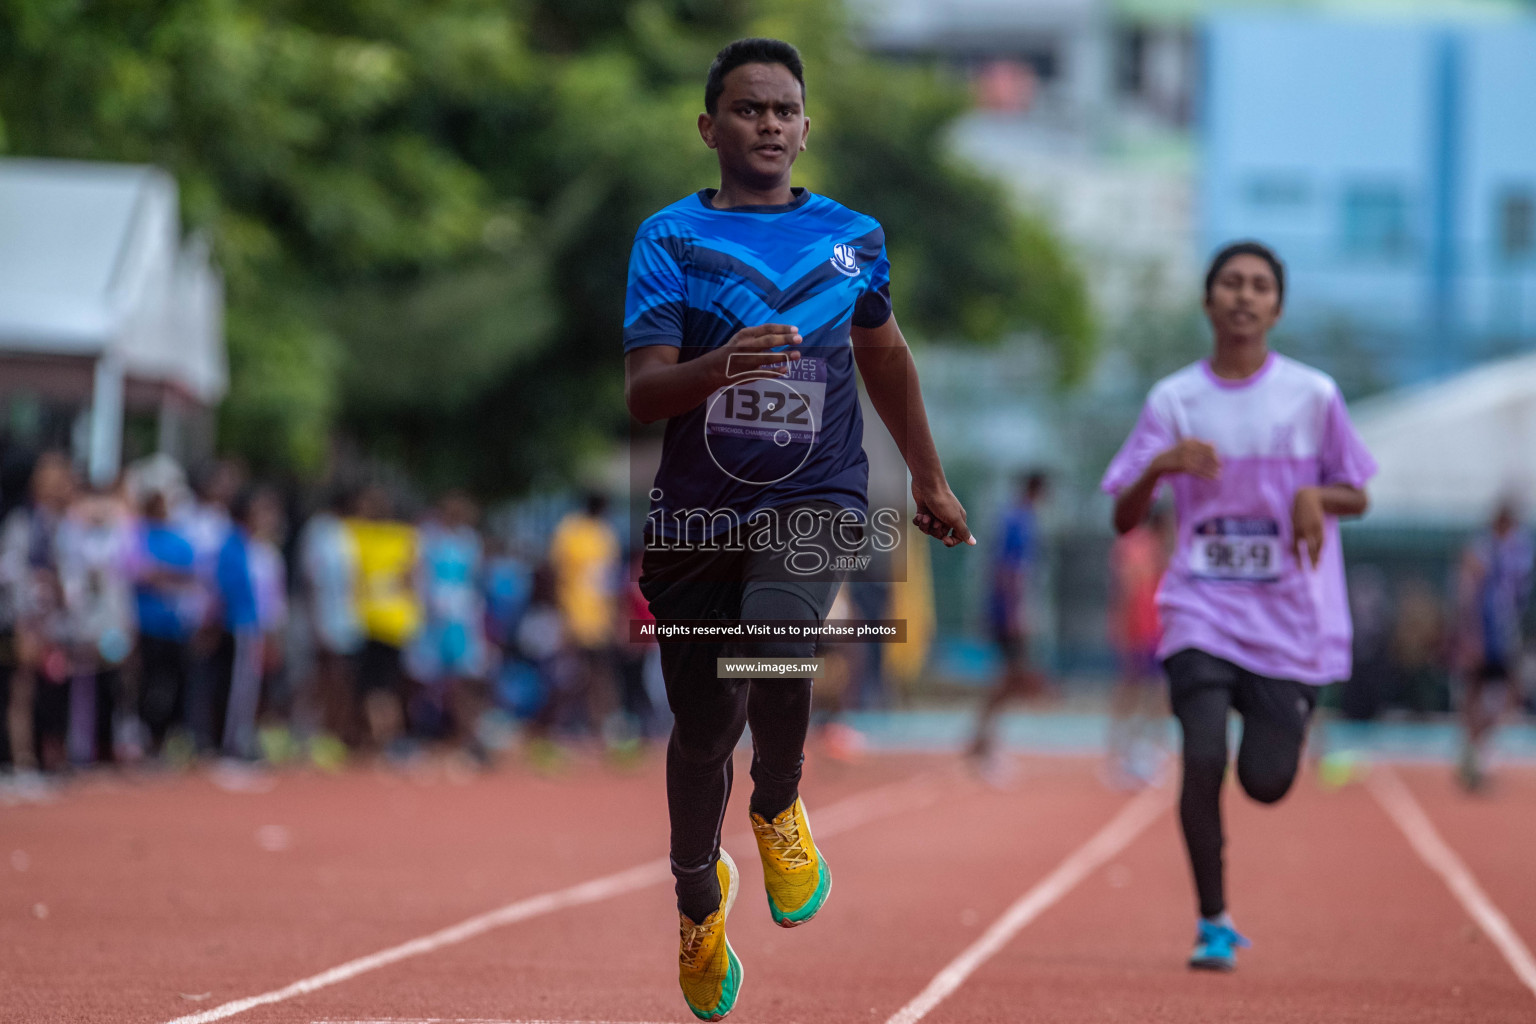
(1244,300)
(759,125)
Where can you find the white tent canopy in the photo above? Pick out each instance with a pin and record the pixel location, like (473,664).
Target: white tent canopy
(92,265)
(1451,451)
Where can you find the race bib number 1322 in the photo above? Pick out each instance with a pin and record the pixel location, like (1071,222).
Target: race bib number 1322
(782,409)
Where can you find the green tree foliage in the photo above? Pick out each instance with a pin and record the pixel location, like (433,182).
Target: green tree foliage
(423,208)
(315,144)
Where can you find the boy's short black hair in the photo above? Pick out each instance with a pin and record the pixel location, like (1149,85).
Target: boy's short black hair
(1248,247)
(750,51)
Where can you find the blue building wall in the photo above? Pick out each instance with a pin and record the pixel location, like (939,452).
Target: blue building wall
(1500,291)
(1393,165)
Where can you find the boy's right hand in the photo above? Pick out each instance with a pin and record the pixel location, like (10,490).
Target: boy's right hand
(749,352)
(1197,458)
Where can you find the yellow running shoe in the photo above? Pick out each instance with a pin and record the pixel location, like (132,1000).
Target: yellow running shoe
(794,872)
(707,967)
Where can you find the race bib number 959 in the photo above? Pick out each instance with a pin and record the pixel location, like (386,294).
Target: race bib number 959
(1237,548)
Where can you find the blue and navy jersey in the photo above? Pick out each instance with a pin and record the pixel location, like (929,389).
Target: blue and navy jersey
(697,275)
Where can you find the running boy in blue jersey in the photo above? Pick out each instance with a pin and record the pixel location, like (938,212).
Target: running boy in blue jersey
(748,308)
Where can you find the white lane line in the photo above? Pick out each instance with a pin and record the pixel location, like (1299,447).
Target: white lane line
(1125,826)
(839,817)
(1405,811)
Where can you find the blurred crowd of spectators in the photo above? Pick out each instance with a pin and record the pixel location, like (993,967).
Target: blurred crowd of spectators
(165,620)
(158,620)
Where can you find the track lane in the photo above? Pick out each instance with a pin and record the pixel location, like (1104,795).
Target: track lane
(909,891)
(1347,925)
(1491,837)
(160,890)
(1350,925)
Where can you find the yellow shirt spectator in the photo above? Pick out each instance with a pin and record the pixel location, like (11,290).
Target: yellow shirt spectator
(386,584)
(585,553)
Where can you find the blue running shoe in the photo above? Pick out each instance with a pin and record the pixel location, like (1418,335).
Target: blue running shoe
(1215,947)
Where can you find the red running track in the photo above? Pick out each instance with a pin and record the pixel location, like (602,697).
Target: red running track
(153,899)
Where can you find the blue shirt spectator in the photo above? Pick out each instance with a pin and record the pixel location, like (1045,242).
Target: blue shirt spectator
(163,607)
(237,592)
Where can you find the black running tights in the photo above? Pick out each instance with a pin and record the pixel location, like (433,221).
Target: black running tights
(709,712)
(1275,712)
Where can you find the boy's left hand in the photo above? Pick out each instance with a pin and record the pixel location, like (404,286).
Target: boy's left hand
(1307,520)
(940,515)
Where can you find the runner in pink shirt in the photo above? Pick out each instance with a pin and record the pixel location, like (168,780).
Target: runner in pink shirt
(1262,461)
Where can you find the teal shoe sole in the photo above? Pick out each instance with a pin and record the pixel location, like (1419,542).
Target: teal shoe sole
(812,906)
(728,992)
(1222,964)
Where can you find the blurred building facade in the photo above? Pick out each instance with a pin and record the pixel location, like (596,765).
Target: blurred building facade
(110,321)
(1392,164)
(1083,107)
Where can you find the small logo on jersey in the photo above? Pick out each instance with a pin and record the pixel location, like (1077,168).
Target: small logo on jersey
(846,259)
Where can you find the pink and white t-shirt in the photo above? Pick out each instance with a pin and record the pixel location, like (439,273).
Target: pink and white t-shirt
(1233,589)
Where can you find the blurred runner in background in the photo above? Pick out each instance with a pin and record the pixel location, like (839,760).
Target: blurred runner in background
(1495,587)
(1012,567)
(1139,704)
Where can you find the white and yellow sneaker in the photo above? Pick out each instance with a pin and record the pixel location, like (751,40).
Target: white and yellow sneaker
(794,872)
(707,968)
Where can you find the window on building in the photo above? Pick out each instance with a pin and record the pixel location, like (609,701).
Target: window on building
(1517,224)
(1044,59)
(1277,192)
(1376,220)
(1130,60)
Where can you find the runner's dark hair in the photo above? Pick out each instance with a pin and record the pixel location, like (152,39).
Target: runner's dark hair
(750,51)
(1034,483)
(1247,247)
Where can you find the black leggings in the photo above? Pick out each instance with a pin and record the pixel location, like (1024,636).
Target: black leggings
(1275,713)
(709,712)
(164,666)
